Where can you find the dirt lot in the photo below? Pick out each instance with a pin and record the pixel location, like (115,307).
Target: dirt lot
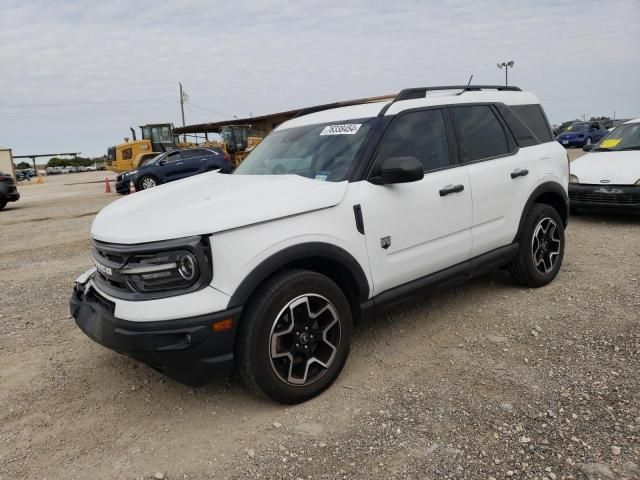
(485,381)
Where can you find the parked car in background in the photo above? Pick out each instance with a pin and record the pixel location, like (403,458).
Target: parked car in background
(557,130)
(609,175)
(579,134)
(174,165)
(8,190)
(54,170)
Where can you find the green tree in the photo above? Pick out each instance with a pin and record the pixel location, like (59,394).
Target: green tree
(23,165)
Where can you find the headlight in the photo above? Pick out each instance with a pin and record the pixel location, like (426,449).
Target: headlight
(573,179)
(153,270)
(132,172)
(175,270)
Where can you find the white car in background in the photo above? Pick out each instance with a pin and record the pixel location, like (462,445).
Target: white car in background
(609,175)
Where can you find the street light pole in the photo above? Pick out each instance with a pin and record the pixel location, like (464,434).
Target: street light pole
(506,66)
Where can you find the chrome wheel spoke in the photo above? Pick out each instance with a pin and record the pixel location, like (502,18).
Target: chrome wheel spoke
(304,339)
(546,245)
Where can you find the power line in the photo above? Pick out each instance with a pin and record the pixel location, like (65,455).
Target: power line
(210,111)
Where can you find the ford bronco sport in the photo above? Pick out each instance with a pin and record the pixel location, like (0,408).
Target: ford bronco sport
(335,216)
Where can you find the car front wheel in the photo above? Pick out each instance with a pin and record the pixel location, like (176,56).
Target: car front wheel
(147,182)
(541,249)
(295,336)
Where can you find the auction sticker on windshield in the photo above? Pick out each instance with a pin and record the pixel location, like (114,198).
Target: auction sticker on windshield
(346,129)
(610,142)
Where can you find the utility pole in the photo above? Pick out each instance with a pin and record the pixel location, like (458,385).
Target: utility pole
(506,66)
(182,96)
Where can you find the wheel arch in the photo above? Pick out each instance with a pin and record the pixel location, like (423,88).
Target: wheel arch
(549,193)
(329,260)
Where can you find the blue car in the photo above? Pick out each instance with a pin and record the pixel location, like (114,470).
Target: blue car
(579,134)
(174,165)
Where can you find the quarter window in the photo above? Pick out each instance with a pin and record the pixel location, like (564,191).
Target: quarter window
(422,135)
(481,132)
(534,118)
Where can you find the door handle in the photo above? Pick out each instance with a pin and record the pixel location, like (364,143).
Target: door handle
(179,163)
(519,173)
(449,189)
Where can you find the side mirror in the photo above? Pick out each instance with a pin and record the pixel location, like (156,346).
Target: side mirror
(162,162)
(399,170)
(587,148)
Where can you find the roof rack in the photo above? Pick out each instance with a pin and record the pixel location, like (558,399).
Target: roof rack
(411,93)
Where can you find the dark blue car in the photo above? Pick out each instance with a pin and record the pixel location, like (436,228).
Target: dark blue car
(579,134)
(174,165)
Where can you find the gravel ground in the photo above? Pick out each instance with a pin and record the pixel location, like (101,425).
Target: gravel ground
(485,381)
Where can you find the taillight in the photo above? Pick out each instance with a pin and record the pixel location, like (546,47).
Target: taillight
(226,157)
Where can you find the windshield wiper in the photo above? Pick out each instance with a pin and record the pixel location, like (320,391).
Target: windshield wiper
(637,147)
(602,149)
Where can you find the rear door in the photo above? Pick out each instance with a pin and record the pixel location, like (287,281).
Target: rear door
(502,176)
(418,228)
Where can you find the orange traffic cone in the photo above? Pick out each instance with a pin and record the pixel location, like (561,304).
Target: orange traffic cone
(107,185)
(132,187)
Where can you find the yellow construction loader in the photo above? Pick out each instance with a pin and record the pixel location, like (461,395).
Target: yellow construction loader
(155,139)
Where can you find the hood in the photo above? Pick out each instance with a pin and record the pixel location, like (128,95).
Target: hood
(620,168)
(210,203)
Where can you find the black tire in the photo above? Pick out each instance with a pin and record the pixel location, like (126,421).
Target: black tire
(539,272)
(146,180)
(266,319)
(574,211)
(3,203)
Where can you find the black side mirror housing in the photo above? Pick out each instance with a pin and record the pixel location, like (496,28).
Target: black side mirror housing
(587,148)
(399,170)
(162,162)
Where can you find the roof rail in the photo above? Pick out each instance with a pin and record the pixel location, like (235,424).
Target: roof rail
(411,93)
(346,103)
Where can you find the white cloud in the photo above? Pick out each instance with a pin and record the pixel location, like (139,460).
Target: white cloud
(77,74)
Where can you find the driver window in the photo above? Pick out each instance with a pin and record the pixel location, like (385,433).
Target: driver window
(422,135)
(172,157)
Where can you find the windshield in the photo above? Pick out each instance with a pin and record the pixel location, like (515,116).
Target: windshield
(322,151)
(624,137)
(578,127)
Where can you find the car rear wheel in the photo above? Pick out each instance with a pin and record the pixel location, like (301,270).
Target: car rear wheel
(295,336)
(3,203)
(541,247)
(147,182)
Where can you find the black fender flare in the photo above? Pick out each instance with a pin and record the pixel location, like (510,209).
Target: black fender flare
(553,188)
(296,254)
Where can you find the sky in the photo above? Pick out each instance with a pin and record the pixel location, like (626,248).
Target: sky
(75,75)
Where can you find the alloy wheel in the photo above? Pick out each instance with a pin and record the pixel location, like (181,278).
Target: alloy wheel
(147,183)
(546,245)
(304,339)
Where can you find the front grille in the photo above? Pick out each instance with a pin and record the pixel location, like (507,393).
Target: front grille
(605,198)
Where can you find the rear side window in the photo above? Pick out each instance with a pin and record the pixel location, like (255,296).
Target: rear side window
(481,132)
(534,118)
(422,135)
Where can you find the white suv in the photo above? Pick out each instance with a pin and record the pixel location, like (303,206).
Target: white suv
(335,216)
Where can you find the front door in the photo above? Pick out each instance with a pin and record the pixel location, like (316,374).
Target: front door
(418,228)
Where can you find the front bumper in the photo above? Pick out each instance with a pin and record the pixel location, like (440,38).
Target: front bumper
(612,197)
(186,349)
(122,184)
